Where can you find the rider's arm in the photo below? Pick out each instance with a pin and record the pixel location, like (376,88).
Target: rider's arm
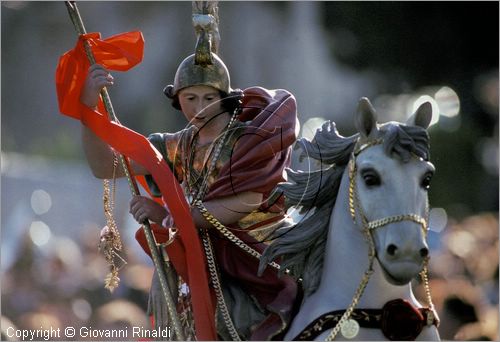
(99,154)
(228,210)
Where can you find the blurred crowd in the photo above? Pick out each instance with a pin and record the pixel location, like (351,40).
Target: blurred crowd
(66,288)
(464,279)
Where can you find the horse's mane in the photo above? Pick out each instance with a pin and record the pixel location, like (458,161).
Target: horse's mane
(302,245)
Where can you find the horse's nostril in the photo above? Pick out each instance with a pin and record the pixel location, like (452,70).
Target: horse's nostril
(424,252)
(391,249)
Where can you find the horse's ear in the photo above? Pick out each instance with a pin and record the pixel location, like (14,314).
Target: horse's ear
(422,117)
(366,118)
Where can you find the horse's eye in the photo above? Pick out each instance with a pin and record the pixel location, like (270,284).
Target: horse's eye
(371,178)
(426,181)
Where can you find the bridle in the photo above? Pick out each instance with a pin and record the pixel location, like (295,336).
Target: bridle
(356,210)
(355,205)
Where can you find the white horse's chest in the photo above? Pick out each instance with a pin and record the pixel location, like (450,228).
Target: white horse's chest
(363,334)
(366,334)
(317,307)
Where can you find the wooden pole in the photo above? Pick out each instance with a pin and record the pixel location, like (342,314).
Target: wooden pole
(158,262)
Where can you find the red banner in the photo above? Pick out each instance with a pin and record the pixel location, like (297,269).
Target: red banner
(122,52)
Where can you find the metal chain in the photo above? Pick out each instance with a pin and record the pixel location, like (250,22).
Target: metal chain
(197,196)
(214,275)
(199,193)
(210,218)
(110,242)
(353,205)
(117,243)
(230,235)
(425,278)
(352,179)
(355,300)
(398,218)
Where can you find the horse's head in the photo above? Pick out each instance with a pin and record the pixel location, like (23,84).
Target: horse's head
(389,178)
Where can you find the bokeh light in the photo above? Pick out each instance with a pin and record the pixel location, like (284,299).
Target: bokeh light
(81,308)
(67,250)
(461,243)
(447,101)
(310,126)
(41,201)
(40,233)
(15,5)
(487,149)
(437,219)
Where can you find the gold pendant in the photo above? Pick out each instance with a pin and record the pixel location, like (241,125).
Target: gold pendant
(349,328)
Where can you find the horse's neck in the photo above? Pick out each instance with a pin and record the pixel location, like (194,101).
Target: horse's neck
(345,263)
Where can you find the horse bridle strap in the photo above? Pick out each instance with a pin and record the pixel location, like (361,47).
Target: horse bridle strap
(355,206)
(398,320)
(397,218)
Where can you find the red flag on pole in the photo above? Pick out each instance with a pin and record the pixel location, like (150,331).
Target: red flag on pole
(122,52)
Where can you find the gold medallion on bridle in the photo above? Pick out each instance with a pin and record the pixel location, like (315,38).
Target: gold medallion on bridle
(350,329)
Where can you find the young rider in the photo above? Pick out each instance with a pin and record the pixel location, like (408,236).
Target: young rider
(228,159)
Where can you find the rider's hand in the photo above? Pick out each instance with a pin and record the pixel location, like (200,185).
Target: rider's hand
(143,208)
(97,78)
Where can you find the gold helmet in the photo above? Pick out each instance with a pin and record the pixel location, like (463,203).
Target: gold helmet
(191,72)
(203,67)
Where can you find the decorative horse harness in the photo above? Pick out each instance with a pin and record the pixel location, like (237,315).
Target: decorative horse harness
(398,319)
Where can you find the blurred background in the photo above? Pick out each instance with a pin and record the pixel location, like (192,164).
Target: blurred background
(328,54)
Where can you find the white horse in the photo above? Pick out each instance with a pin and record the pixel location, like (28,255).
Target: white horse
(363,237)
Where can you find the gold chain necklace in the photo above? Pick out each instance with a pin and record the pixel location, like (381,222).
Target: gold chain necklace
(198,192)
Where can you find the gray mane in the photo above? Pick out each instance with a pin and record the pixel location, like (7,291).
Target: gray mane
(301,247)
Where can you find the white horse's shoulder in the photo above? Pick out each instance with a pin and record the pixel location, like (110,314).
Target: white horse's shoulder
(429,334)
(363,335)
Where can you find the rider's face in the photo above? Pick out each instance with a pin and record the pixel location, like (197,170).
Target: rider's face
(200,103)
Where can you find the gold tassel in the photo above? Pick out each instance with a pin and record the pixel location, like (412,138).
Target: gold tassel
(111,281)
